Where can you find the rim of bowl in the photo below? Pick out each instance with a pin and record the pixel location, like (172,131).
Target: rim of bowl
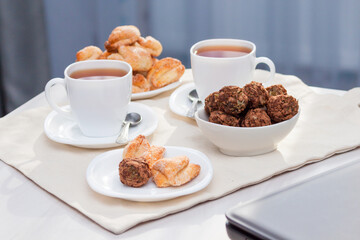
(197,117)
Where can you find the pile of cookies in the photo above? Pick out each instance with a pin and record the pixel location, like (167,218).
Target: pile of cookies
(250,106)
(126,44)
(141,161)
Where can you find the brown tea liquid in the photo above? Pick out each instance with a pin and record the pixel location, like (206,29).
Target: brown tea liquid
(223,51)
(98,74)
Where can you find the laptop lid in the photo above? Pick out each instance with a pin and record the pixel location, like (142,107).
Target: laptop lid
(326,206)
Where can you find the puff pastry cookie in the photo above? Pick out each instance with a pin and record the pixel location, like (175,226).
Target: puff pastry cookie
(126,44)
(174,171)
(88,53)
(137,57)
(105,55)
(122,35)
(140,84)
(115,56)
(140,147)
(165,71)
(156,153)
(152,45)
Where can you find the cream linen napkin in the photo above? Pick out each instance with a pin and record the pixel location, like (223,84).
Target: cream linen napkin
(328,124)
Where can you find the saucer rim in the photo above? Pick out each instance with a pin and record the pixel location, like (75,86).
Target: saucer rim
(104,142)
(172,102)
(153,93)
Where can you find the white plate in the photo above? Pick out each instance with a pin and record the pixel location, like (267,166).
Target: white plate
(103,177)
(63,130)
(153,93)
(179,102)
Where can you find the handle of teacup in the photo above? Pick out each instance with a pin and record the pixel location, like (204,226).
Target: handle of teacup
(268,62)
(50,100)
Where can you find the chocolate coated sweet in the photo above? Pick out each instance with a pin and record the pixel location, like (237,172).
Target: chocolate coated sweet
(282,107)
(222,118)
(134,172)
(256,118)
(257,94)
(212,102)
(232,100)
(275,90)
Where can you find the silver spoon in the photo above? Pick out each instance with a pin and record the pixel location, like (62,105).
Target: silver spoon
(194,98)
(132,119)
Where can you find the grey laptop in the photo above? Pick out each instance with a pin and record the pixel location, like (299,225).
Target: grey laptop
(326,206)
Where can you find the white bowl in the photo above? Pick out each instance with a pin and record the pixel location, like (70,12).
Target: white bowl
(244,141)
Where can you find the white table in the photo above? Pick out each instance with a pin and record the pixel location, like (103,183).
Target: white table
(29,212)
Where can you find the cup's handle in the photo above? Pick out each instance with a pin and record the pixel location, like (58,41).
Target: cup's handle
(268,62)
(54,106)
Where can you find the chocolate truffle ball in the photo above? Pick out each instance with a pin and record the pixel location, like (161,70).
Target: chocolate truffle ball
(256,118)
(222,118)
(232,100)
(282,107)
(212,102)
(275,90)
(134,172)
(257,94)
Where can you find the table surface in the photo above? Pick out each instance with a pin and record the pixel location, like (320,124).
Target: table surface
(29,212)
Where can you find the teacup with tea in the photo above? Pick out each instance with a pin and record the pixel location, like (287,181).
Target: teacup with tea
(217,63)
(99,93)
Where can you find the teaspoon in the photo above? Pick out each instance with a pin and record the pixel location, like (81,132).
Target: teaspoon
(132,119)
(194,98)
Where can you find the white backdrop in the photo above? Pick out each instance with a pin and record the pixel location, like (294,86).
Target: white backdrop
(24,62)
(319,41)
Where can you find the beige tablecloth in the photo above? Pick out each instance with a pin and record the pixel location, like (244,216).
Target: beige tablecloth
(328,124)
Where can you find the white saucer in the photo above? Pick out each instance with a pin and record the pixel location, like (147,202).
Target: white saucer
(153,93)
(179,102)
(63,130)
(103,177)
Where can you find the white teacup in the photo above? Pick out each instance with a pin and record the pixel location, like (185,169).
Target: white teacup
(99,106)
(213,73)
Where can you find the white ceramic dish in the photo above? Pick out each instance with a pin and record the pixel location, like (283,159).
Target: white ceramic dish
(242,141)
(179,102)
(62,130)
(103,177)
(153,93)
